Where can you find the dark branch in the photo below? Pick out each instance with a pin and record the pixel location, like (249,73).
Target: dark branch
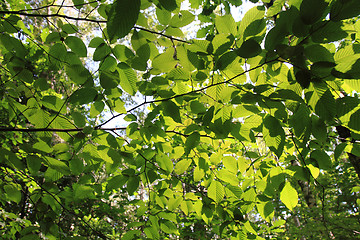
(52,15)
(55,129)
(191,92)
(86,20)
(56,5)
(161,34)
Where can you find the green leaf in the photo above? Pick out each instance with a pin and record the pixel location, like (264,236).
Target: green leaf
(341,10)
(128,78)
(191,142)
(322,101)
(79,119)
(348,67)
(230,164)
(182,166)
(289,196)
(197,107)
(76,45)
(76,166)
(274,37)
(13,45)
(174,203)
(96,108)
(42,146)
(228,176)
(250,48)
(123,53)
(322,158)
(101,51)
(11,159)
(78,73)
(353,84)
(222,43)
(215,158)
(95,42)
(106,153)
(215,91)
(164,162)
(109,80)
(33,163)
(312,10)
(182,19)
(303,77)
(168,227)
(318,53)
(328,31)
(122,17)
(57,54)
(216,191)
(12,193)
(78,3)
(354,122)
(69,28)
(132,184)
(57,165)
(323,70)
(253,22)
(25,75)
(163,16)
(116,182)
(165,61)
(227,60)
(225,24)
(300,120)
(266,210)
(236,3)
(276,7)
(186,207)
(274,135)
(54,103)
(109,63)
(83,192)
(169,5)
(172,110)
(132,234)
(83,96)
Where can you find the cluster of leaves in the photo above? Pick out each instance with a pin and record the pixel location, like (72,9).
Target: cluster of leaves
(246,129)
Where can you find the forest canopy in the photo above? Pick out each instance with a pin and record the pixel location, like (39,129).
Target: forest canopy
(179,119)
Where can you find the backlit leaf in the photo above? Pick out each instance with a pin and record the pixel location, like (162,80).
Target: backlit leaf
(182,166)
(226,24)
(164,162)
(216,191)
(128,78)
(289,196)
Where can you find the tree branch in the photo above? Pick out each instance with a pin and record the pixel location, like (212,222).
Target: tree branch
(20,13)
(52,15)
(55,129)
(191,92)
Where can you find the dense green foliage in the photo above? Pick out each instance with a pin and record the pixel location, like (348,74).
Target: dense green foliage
(115,123)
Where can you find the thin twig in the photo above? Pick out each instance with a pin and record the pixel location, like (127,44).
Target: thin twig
(55,129)
(184,94)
